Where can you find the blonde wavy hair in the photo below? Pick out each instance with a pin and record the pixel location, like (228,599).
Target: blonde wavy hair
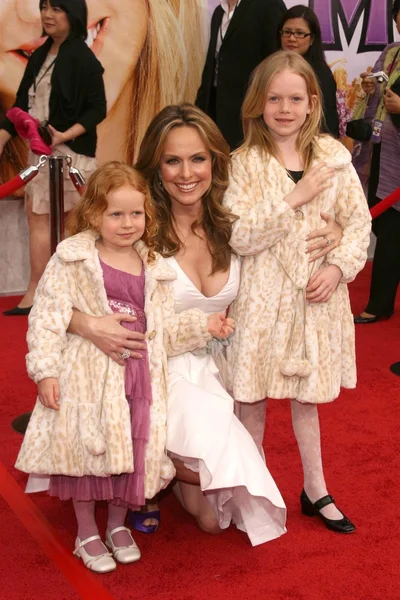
(106,179)
(215,220)
(256,133)
(170,65)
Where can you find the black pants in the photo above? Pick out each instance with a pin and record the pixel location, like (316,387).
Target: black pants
(386,265)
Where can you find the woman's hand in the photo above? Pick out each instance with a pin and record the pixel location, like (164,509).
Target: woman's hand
(108,334)
(368,85)
(326,238)
(49,392)
(57,137)
(318,179)
(220,326)
(391,102)
(323,283)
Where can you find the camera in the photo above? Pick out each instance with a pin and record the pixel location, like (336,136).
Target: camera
(380,76)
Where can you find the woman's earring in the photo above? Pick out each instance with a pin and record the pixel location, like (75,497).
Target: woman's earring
(160,181)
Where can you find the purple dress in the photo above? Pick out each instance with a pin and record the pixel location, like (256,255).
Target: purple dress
(125,293)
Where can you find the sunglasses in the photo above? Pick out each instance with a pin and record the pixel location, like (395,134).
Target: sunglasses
(299,35)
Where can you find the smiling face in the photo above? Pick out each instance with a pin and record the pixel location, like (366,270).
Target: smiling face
(287,105)
(117,31)
(185,168)
(300,45)
(123,222)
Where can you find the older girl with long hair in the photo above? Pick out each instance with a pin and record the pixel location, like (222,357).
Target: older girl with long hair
(294,333)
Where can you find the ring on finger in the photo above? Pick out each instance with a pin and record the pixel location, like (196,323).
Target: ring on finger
(125,354)
(328,241)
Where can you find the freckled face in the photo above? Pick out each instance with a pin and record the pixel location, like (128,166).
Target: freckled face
(123,222)
(185,167)
(287,105)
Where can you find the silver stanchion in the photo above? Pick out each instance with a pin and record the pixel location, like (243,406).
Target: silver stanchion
(56,193)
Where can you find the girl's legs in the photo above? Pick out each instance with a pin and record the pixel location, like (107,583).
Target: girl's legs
(87,527)
(306,429)
(116,518)
(39,250)
(253,415)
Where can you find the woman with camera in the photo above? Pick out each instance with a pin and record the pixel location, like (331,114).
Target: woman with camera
(62,84)
(378,165)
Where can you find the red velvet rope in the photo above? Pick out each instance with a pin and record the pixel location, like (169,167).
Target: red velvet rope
(9,188)
(386,203)
(79,188)
(84,581)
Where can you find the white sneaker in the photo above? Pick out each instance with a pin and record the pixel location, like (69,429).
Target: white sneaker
(123,554)
(103,563)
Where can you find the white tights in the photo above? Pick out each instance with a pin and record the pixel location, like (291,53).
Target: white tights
(306,429)
(85,516)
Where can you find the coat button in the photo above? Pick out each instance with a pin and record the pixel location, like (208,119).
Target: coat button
(298,214)
(152,335)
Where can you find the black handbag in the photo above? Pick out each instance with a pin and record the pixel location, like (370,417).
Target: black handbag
(359,130)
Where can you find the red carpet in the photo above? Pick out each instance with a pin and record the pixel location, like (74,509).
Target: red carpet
(361,437)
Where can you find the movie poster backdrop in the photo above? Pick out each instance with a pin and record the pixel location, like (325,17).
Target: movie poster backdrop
(153,52)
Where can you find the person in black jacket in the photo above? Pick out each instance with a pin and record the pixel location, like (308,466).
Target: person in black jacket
(299,31)
(62,85)
(242,34)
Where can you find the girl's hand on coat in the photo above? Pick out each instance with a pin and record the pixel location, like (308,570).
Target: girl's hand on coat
(315,181)
(326,239)
(323,283)
(220,326)
(49,392)
(391,102)
(368,85)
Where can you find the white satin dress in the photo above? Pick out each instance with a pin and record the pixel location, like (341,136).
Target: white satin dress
(203,431)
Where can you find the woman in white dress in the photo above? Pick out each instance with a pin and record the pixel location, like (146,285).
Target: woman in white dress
(221,476)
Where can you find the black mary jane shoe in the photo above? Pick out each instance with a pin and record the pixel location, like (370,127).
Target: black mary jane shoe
(17,312)
(311,509)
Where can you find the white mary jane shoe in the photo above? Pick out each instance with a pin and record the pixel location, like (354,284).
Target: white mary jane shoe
(104,563)
(123,554)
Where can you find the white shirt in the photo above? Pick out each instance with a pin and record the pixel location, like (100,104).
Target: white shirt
(226,19)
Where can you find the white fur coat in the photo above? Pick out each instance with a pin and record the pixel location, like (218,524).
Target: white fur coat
(90,434)
(285,347)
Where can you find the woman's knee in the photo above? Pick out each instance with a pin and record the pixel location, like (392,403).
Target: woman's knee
(209,524)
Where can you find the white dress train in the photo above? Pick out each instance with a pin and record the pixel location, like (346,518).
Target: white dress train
(205,434)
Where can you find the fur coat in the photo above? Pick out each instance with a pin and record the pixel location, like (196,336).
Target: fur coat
(91,434)
(285,347)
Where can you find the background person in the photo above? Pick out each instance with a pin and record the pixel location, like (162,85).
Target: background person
(242,35)
(130,38)
(62,84)
(299,31)
(378,166)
